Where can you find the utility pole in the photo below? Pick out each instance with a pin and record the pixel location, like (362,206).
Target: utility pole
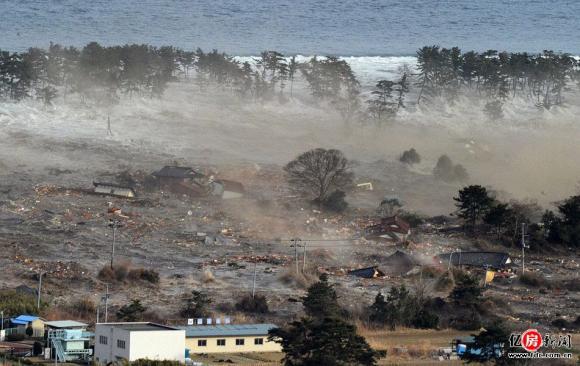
(254,282)
(296,240)
(485,276)
(304,257)
(106,302)
(109,131)
(114,223)
(449,264)
(523,247)
(2,322)
(39,289)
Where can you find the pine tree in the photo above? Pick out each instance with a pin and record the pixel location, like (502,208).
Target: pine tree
(196,305)
(473,202)
(132,312)
(321,300)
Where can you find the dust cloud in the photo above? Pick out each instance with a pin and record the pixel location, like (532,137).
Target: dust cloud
(527,154)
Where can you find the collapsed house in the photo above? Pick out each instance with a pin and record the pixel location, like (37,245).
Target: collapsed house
(399,263)
(369,272)
(186,180)
(111,189)
(489,260)
(228,189)
(389,229)
(182,180)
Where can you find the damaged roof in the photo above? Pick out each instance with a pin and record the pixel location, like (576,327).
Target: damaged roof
(369,272)
(496,260)
(177,172)
(388,225)
(399,262)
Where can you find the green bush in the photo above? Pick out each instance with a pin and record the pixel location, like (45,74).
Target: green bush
(466,321)
(123,273)
(84,307)
(534,280)
(410,157)
(13,302)
(255,305)
(425,319)
(335,202)
(37,348)
(147,275)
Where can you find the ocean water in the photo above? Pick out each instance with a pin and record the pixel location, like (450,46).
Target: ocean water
(338,27)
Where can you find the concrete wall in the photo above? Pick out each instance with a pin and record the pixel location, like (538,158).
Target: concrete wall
(158,345)
(74,345)
(109,352)
(231,347)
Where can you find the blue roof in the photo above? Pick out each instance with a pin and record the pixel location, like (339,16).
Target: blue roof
(23,319)
(226,330)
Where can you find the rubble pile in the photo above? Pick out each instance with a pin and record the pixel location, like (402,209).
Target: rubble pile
(57,269)
(272,259)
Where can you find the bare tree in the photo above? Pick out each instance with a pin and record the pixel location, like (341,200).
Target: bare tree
(319,172)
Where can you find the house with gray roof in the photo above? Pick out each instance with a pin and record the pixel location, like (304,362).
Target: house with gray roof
(491,260)
(230,338)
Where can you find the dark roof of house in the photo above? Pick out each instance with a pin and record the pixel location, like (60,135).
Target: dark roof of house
(399,262)
(388,225)
(177,172)
(369,272)
(496,260)
(227,330)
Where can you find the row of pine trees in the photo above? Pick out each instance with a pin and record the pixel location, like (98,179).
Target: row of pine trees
(103,75)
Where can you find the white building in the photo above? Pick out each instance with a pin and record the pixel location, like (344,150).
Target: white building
(134,341)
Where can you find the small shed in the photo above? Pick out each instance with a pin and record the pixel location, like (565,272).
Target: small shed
(22,322)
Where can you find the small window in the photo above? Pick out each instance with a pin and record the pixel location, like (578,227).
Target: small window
(258,341)
(240,342)
(221,342)
(202,342)
(120,344)
(102,340)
